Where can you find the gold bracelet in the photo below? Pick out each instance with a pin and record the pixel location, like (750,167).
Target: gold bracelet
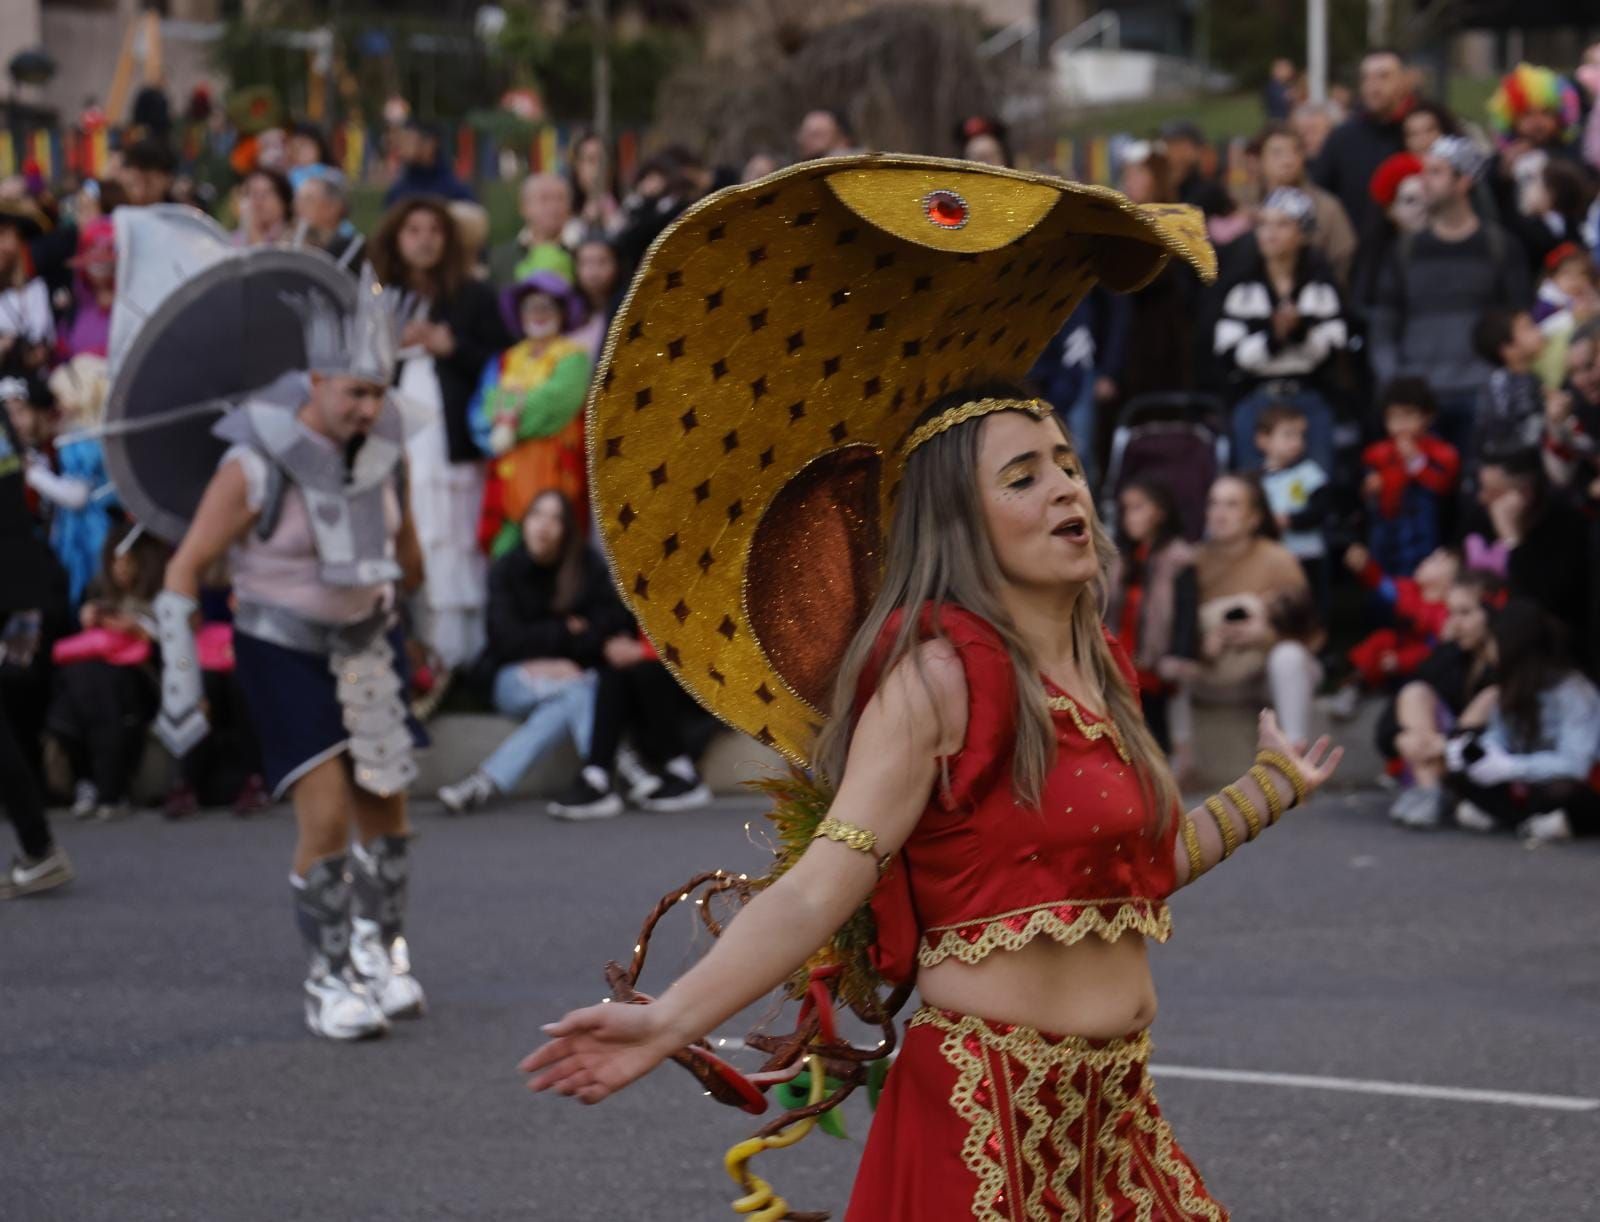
(1263,778)
(1247,808)
(1276,759)
(860,839)
(1225,828)
(1191,846)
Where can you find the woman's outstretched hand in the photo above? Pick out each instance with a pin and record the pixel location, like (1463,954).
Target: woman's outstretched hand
(1316,765)
(596,1051)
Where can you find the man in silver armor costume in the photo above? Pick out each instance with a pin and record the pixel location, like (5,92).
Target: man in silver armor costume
(309,503)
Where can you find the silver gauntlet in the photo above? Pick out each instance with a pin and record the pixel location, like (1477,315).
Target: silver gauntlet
(182,723)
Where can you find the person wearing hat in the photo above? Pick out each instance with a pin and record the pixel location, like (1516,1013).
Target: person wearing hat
(27,324)
(526,413)
(94,289)
(1280,324)
(1430,294)
(850,534)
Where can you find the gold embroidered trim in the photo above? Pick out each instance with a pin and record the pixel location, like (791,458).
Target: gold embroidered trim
(968,1045)
(1150,918)
(1153,1197)
(1037,408)
(1094,731)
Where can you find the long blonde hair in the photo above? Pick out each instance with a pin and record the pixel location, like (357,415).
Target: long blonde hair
(939,552)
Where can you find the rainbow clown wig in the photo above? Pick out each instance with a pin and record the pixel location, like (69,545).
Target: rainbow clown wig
(1528,89)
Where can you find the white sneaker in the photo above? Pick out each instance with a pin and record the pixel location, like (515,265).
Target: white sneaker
(1418,807)
(338,1008)
(639,781)
(591,797)
(1542,829)
(386,972)
(85,799)
(29,877)
(1474,818)
(466,795)
(1344,703)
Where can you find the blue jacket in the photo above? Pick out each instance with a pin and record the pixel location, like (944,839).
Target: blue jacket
(1569,734)
(438,179)
(1092,343)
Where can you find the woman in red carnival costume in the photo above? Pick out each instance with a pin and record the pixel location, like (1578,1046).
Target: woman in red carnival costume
(993,791)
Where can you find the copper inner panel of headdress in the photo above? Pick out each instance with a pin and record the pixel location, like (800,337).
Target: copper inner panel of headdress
(813,568)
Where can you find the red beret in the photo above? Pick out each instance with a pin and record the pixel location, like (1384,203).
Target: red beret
(1386,179)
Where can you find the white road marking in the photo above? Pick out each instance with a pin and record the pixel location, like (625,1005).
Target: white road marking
(1357,1086)
(1367,1086)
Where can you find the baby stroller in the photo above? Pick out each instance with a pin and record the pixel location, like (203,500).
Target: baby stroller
(1176,438)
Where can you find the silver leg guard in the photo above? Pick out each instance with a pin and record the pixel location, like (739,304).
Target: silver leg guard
(380,871)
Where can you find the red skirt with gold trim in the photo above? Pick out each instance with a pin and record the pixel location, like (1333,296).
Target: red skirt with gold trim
(1003,1123)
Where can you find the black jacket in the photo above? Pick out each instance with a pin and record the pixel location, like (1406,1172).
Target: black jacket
(523,625)
(480,332)
(1353,151)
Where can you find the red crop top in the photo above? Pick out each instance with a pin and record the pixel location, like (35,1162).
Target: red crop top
(980,872)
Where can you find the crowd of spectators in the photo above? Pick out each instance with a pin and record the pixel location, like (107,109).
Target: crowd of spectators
(1402,355)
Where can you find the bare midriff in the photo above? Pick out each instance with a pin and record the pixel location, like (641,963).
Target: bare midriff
(1092,988)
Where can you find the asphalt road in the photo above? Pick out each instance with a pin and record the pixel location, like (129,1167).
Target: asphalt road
(153,1064)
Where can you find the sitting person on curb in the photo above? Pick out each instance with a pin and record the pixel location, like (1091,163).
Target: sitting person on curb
(1245,575)
(636,694)
(1298,492)
(1410,475)
(552,615)
(1526,756)
(1416,611)
(1414,729)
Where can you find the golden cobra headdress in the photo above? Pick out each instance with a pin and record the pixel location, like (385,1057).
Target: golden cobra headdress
(754,403)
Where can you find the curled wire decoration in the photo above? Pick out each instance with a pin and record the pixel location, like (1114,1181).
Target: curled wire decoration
(815,1044)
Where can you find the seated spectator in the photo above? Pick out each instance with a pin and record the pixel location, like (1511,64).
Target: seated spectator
(1571,443)
(266,205)
(1510,412)
(1569,276)
(1414,729)
(596,214)
(636,694)
(322,213)
(1281,322)
(527,414)
(1545,542)
(27,325)
(600,283)
(77,485)
(106,690)
(1283,164)
(1297,492)
(1414,614)
(552,615)
(1432,291)
(93,290)
(1153,599)
(1410,476)
(545,204)
(1245,577)
(1526,753)
(424,168)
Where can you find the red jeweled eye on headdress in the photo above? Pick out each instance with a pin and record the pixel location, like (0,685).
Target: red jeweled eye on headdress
(946,209)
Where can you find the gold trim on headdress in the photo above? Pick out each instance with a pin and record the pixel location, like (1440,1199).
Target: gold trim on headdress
(1037,408)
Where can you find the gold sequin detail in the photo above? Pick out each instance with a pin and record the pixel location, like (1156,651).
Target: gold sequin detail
(1263,780)
(1247,808)
(1093,731)
(1225,829)
(861,839)
(997,1154)
(1148,918)
(945,420)
(1191,846)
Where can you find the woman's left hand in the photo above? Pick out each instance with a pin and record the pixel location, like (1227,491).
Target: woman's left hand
(1316,765)
(439,340)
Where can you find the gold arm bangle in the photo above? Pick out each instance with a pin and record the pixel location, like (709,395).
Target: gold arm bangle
(1263,778)
(861,839)
(1225,828)
(1247,808)
(1276,759)
(1191,846)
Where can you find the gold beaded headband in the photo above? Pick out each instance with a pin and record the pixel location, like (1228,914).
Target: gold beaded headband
(948,419)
